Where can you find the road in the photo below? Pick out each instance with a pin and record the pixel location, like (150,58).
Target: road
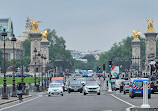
(69,102)
(76,101)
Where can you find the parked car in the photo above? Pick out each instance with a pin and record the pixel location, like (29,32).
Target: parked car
(117,84)
(123,83)
(126,87)
(55,89)
(136,87)
(75,86)
(9,75)
(91,87)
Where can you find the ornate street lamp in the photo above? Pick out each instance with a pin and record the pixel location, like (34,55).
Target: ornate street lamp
(35,51)
(4,94)
(45,70)
(42,57)
(14,89)
(39,72)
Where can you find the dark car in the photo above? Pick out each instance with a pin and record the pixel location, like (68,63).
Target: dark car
(9,75)
(123,83)
(75,86)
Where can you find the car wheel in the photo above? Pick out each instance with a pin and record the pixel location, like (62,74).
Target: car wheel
(120,91)
(84,93)
(80,91)
(124,92)
(68,91)
(98,93)
(132,95)
(62,95)
(48,95)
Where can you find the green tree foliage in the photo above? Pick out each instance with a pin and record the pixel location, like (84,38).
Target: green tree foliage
(121,54)
(27,46)
(60,57)
(90,65)
(89,57)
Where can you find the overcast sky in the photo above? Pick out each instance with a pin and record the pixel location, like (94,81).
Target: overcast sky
(84,24)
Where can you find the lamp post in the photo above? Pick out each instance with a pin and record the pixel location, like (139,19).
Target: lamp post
(13,91)
(42,57)
(4,95)
(22,67)
(39,72)
(45,70)
(35,51)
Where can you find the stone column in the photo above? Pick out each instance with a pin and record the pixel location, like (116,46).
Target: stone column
(35,43)
(45,49)
(150,51)
(136,57)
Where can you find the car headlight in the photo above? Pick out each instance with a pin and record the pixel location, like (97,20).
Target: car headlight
(70,87)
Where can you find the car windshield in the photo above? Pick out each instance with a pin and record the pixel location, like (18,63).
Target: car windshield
(75,82)
(138,83)
(54,85)
(91,83)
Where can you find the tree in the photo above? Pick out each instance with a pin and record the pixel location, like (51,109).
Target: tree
(89,57)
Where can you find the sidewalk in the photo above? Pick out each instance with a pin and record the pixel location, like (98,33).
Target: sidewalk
(12,99)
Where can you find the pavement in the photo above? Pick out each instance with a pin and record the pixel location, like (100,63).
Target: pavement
(76,101)
(12,99)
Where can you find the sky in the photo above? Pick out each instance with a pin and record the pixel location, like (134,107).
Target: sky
(84,24)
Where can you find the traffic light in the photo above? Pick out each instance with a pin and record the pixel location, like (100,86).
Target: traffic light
(104,67)
(99,69)
(110,63)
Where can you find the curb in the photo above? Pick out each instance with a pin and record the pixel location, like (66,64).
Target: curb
(14,100)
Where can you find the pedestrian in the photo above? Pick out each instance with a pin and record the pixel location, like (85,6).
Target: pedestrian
(19,90)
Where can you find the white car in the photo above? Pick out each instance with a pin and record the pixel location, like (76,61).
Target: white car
(90,74)
(91,87)
(55,89)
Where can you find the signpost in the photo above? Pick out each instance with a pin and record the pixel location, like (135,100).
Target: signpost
(114,71)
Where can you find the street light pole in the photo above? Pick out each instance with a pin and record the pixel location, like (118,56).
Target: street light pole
(45,71)
(42,57)
(35,51)
(13,91)
(4,95)
(39,55)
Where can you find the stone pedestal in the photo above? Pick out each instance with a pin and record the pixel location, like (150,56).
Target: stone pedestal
(136,57)
(150,51)
(45,49)
(35,43)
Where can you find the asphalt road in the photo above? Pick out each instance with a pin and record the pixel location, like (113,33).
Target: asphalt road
(69,102)
(78,102)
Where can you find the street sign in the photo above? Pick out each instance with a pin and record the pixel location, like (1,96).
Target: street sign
(114,71)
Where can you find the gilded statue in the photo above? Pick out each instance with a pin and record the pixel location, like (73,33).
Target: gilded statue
(44,35)
(135,35)
(150,25)
(35,26)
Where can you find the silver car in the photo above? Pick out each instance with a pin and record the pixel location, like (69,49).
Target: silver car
(55,89)
(91,87)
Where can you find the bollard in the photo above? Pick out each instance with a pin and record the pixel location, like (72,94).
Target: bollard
(109,87)
(145,95)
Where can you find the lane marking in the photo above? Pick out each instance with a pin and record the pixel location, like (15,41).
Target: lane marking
(123,100)
(19,104)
